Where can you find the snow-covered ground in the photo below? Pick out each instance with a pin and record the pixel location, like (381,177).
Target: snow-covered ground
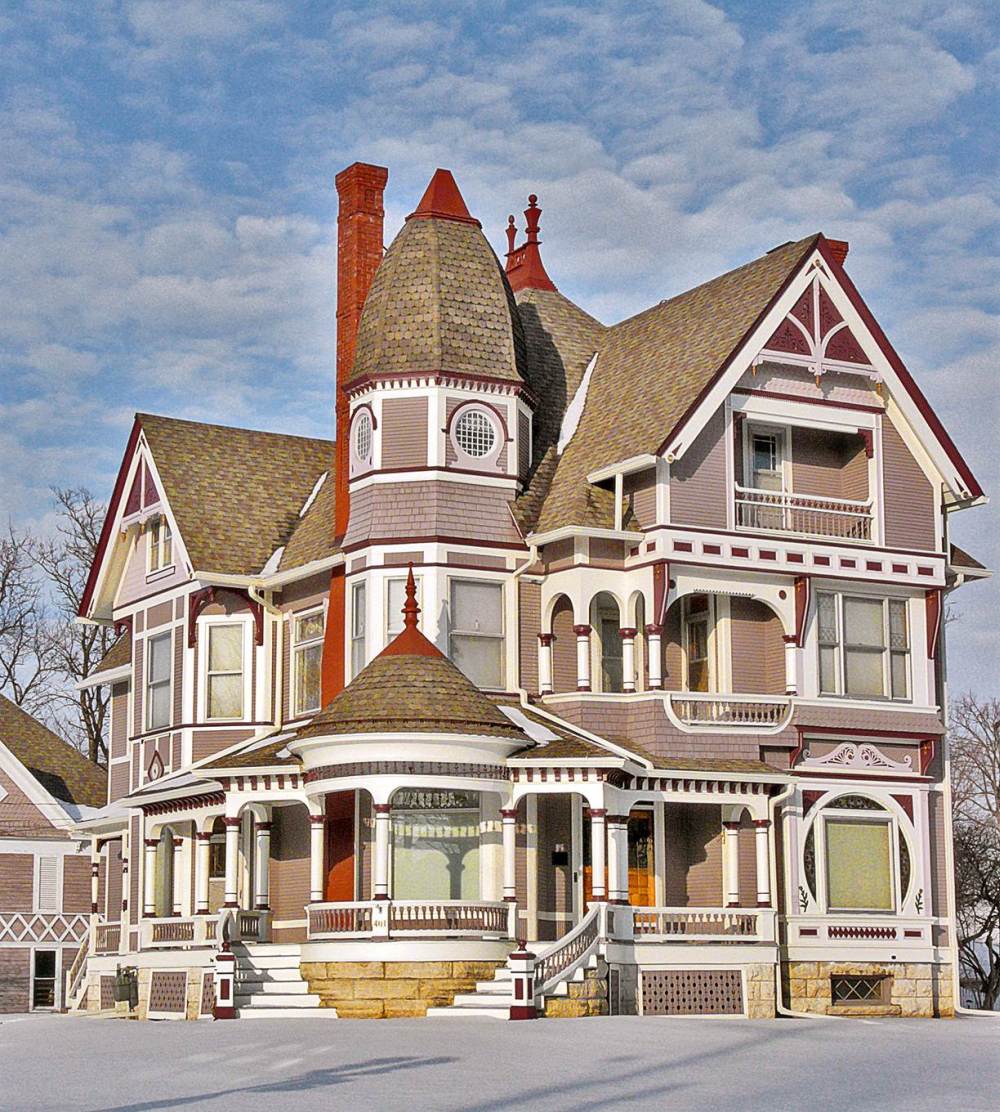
(479,1065)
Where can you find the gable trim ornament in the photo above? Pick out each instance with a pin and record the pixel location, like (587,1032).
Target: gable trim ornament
(858,755)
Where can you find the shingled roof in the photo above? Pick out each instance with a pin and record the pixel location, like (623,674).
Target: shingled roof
(440,301)
(237,494)
(62,771)
(116,657)
(650,370)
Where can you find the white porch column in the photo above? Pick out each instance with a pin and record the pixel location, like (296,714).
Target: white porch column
(731,858)
(177,896)
(598,854)
(262,882)
(509,817)
(95,875)
(791,664)
(383,817)
(762,840)
(627,635)
(317,833)
(582,657)
(232,889)
(545,663)
(202,864)
(149,878)
(655,652)
(617,858)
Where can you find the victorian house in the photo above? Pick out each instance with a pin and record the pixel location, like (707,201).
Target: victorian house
(615,646)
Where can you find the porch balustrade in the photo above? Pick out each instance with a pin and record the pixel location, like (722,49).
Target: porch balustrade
(107,938)
(176,933)
(695,708)
(411,919)
(699,924)
(781,511)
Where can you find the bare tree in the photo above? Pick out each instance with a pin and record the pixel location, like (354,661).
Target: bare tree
(975,752)
(26,663)
(76,648)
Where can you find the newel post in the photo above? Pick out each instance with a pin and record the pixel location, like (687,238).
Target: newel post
(225,983)
(522,970)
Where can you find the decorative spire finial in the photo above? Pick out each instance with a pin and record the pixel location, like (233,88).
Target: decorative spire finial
(410,607)
(525,270)
(511,235)
(532,214)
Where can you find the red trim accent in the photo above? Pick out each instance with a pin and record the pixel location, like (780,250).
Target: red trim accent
(906,802)
(869,440)
(108,527)
(582,630)
(525,269)
(442,200)
(545,639)
(383,808)
(761,823)
(975,490)
(803,594)
(928,747)
(627,633)
(661,591)
(809,798)
(934,607)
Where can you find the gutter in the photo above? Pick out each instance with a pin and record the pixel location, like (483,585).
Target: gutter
(565,532)
(269,582)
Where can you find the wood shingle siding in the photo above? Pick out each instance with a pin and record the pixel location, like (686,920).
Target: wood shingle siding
(404,432)
(17,872)
(563,647)
(909,497)
(698,493)
(530,607)
(76,884)
(15,979)
(640,495)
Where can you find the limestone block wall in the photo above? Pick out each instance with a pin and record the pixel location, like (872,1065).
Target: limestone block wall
(912,990)
(393,989)
(760,992)
(583,998)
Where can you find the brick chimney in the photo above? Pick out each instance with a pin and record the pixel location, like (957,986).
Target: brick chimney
(359,251)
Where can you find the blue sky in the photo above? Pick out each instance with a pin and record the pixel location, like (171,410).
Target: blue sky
(167,213)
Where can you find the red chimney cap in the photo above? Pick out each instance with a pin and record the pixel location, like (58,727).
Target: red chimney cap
(442,200)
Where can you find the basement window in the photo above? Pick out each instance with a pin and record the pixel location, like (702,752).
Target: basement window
(847,990)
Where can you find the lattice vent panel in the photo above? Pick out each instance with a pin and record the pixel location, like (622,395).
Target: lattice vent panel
(167,993)
(207,994)
(692,992)
(107,993)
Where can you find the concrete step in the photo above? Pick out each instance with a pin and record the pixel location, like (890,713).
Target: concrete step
(273,976)
(286,1013)
(268,949)
(269,961)
(272,988)
(277,1000)
(494,988)
(469,1013)
(473,1001)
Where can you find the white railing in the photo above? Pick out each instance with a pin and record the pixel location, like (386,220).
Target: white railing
(176,933)
(703,924)
(698,708)
(781,511)
(75,976)
(107,938)
(563,958)
(411,919)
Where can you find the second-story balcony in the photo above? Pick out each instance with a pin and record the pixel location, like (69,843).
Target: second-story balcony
(784,511)
(700,708)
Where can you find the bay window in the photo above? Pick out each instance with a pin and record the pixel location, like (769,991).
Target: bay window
(864,646)
(475,636)
(307,661)
(158,654)
(224,672)
(435,845)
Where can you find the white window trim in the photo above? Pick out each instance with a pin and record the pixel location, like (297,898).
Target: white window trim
(711,645)
(57,1001)
(60,860)
(204,622)
(783,437)
(147,703)
(294,650)
(839,597)
(154,543)
(353,639)
(362,463)
(843,814)
(486,636)
(462,456)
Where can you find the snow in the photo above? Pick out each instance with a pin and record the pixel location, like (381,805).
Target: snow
(535,730)
(574,411)
(480,1065)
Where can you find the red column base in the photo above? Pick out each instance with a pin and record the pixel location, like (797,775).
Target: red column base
(224,1011)
(523,1011)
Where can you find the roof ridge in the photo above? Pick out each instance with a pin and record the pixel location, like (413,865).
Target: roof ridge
(144,417)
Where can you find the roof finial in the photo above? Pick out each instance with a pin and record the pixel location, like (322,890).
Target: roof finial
(532,214)
(511,235)
(525,270)
(410,607)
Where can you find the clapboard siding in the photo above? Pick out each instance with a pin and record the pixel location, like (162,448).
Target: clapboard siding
(909,496)
(698,494)
(404,432)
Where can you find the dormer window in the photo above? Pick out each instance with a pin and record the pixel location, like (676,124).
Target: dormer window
(475,433)
(161,545)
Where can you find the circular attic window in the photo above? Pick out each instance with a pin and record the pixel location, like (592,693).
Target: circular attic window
(363,436)
(475,433)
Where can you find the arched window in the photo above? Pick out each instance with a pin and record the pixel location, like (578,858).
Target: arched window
(362,437)
(475,432)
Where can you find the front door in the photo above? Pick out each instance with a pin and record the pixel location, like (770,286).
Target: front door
(339,847)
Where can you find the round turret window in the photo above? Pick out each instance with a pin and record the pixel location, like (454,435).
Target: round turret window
(475,433)
(363,436)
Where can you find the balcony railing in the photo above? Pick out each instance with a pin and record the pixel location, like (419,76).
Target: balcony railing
(697,708)
(781,511)
(411,919)
(107,938)
(702,924)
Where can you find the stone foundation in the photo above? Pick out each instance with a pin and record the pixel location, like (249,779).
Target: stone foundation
(760,999)
(911,990)
(192,993)
(583,998)
(392,989)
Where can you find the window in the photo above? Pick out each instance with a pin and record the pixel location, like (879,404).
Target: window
(307,661)
(475,433)
(765,460)
(359,627)
(224,677)
(217,857)
(476,630)
(435,845)
(395,597)
(43,981)
(864,646)
(363,436)
(158,650)
(858,864)
(161,547)
(697,614)
(848,989)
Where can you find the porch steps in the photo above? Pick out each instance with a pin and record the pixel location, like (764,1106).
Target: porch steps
(270,986)
(493,999)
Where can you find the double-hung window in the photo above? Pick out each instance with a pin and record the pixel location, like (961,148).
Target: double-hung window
(359,626)
(475,638)
(224,673)
(307,661)
(161,545)
(697,623)
(158,653)
(864,646)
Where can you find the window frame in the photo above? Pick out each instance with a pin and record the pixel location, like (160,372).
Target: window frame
(206,623)
(160,536)
(363,412)
(452,582)
(387,632)
(166,635)
(861,818)
(710,622)
(782,444)
(496,424)
(59,862)
(841,647)
(295,650)
(359,640)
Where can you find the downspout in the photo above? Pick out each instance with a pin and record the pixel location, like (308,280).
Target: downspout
(263,598)
(518,572)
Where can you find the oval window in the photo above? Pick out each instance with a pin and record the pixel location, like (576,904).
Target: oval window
(363,436)
(475,433)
